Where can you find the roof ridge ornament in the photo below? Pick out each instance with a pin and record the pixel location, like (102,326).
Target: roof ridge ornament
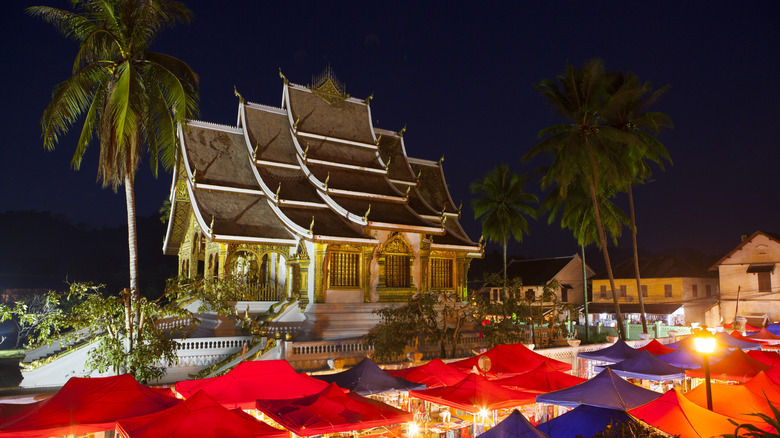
(368,99)
(311,226)
(327,178)
(441,160)
(401,132)
(328,88)
(387,165)
(237,94)
(408,189)
(278,189)
(284,78)
(365,217)
(378,139)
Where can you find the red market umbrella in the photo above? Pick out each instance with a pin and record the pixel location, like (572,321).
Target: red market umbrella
(763,385)
(676,415)
(249,381)
(476,393)
(192,417)
(737,366)
(656,348)
(770,358)
(510,359)
(331,411)
(433,374)
(764,335)
(542,379)
(88,405)
(737,335)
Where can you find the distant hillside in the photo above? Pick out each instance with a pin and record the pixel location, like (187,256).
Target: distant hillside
(45,251)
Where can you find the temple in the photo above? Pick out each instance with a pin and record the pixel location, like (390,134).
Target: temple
(311,203)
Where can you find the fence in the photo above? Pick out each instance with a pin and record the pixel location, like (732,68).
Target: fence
(633,331)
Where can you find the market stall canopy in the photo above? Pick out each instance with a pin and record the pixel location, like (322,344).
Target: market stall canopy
(770,358)
(605,390)
(510,359)
(737,366)
(762,385)
(514,426)
(584,421)
(475,393)
(542,379)
(645,365)
(433,374)
(617,352)
(656,348)
(367,378)
(331,411)
(676,415)
(87,405)
(248,381)
(748,327)
(737,335)
(774,329)
(732,342)
(685,357)
(764,335)
(735,401)
(192,417)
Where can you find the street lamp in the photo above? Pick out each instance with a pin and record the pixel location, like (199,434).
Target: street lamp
(705,344)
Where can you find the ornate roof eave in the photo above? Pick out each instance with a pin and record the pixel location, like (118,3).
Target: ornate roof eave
(334,239)
(175,208)
(470,248)
(409,228)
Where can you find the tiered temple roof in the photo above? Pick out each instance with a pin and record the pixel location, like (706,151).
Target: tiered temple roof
(314,169)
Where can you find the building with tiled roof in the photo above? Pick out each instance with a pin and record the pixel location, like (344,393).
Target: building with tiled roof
(749,277)
(670,286)
(311,201)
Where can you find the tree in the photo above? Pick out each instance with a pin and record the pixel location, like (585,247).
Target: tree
(131,98)
(626,109)
(27,314)
(583,150)
(502,207)
(437,317)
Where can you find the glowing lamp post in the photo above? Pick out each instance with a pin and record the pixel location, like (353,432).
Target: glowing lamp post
(705,344)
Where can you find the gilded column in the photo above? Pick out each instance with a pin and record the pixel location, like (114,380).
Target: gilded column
(368,255)
(320,268)
(425,254)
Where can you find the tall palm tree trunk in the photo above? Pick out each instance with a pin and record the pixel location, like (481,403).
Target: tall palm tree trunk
(132,300)
(605,252)
(504,295)
(636,260)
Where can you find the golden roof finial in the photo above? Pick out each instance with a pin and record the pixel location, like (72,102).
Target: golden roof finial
(378,139)
(194,175)
(365,217)
(257,146)
(443,210)
(387,165)
(460,208)
(306,152)
(295,125)
(278,189)
(327,178)
(401,132)
(368,99)
(211,227)
(443,221)
(408,189)
(328,87)
(284,78)
(419,174)
(240,98)
(441,160)
(311,226)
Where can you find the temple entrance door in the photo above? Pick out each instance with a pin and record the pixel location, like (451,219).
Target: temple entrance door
(265,277)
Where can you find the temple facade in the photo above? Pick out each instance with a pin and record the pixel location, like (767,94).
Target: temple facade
(309,201)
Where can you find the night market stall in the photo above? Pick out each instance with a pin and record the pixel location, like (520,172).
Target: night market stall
(87,405)
(250,380)
(542,379)
(734,401)
(583,421)
(196,416)
(732,342)
(656,348)
(605,390)
(433,374)
(617,352)
(332,411)
(510,359)
(515,425)
(366,378)
(688,358)
(736,367)
(676,415)
(646,366)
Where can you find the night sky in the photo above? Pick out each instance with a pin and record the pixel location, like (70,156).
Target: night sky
(460,75)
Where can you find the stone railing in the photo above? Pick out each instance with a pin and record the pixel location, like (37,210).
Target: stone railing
(203,352)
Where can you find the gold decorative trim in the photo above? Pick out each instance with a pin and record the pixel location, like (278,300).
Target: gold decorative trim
(328,88)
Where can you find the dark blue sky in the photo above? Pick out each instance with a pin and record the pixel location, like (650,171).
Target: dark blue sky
(460,76)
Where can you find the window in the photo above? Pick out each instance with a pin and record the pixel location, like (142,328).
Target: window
(708,290)
(397,269)
(668,290)
(622,291)
(603,292)
(441,273)
(565,295)
(764,281)
(344,269)
(644,291)
(695,290)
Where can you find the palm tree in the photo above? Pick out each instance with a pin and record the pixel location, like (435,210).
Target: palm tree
(131,98)
(502,207)
(626,110)
(584,151)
